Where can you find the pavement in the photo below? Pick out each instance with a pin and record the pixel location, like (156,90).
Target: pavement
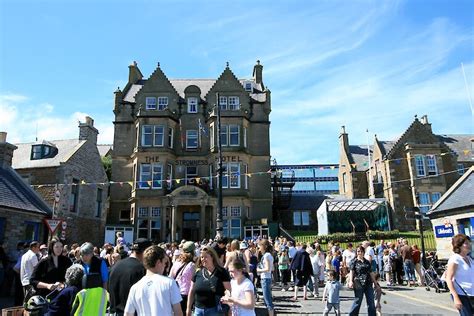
(398,300)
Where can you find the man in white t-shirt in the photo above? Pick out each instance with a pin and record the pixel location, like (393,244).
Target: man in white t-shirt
(28,263)
(154,294)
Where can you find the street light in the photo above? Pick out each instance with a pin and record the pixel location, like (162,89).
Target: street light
(219,226)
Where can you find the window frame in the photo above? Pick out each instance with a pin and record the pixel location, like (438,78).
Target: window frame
(155,212)
(424,204)
(98,211)
(170,137)
(192,105)
(151,134)
(161,106)
(230,132)
(143,212)
(233,103)
(188,138)
(223,103)
(420,166)
(150,105)
(431,165)
(234,175)
(160,135)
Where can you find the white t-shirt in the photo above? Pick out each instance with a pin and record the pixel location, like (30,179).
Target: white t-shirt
(369,253)
(464,274)
(269,257)
(238,292)
(28,263)
(292,252)
(348,255)
(153,295)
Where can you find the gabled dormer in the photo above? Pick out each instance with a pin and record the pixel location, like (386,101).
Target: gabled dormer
(43,150)
(232,94)
(157,93)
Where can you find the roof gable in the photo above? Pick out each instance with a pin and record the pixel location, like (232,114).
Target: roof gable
(227,81)
(460,194)
(16,194)
(158,82)
(358,155)
(66,149)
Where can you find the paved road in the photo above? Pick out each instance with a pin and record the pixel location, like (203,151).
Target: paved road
(396,301)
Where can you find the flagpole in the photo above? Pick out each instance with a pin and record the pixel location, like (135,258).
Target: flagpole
(468,94)
(219,226)
(371,188)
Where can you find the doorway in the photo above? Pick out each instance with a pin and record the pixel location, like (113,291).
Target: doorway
(191,222)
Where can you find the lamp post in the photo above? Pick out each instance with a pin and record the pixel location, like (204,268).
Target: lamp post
(219,224)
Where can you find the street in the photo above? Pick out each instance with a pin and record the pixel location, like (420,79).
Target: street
(396,301)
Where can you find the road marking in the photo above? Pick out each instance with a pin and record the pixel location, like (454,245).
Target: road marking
(422,301)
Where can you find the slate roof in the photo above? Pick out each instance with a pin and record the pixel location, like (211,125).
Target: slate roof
(459,196)
(306,202)
(66,148)
(461,144)
(386,146)
(359,155)
(16,194)
(104,149)
(204,85)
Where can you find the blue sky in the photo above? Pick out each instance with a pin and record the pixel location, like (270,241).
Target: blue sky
(363,64)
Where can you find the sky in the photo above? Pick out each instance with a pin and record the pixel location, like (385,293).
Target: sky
(367,65)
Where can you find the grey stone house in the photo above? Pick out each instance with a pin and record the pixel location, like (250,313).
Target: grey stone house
(22,210)
(71,169)
(414,170)
(165,150)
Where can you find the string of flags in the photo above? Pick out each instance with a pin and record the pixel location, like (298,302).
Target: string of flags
(151,183)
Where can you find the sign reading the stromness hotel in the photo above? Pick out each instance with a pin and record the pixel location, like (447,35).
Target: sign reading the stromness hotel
(194,162)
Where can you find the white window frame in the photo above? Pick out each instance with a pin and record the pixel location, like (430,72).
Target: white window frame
(155,212)
(231,227)
(223,102)
(190,135)
(230,132)
(144,134)
(246,178)
(433,200)
(224,135)
(424,202)
(461,169)
(162,103)
(190,175)
(245,137)
(431,165)
(420,166)
(156,177)
(234,175)
(296,218)
(211,136)
(144,175)
(157,136)
(192,105)
(150,103)
(225,176)
(143,212)
(235,211)
(305,218)
(234,103)
(248,86)
(224,211)
(170,137)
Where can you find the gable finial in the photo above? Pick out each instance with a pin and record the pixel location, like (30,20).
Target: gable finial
(227,64)
(158,64)
(416,117)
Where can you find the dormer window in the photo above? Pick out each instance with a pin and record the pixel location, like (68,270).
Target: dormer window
(248,86)
(162,103)
(192,105)
(43,151)
(151,103)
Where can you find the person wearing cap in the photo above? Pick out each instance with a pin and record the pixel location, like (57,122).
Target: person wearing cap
(183,270)
(124,274)
(43,251)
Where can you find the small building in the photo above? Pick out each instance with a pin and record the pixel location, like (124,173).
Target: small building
(336,215)
(454,214)
(22,210)
(71,179)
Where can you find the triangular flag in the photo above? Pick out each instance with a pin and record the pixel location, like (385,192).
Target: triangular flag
(353,165)
(250,175)
(149,183)
(178,181)
(198,180)
(130,182)
(83,182)
(466,152)
(332,167)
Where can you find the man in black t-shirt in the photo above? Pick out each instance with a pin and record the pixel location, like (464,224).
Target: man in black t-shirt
(219,246)
(124,274)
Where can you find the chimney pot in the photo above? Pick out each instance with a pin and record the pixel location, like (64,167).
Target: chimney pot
(3,137)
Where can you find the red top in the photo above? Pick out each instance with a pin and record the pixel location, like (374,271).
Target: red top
(416,254)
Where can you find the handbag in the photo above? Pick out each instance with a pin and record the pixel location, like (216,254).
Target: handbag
(471,298)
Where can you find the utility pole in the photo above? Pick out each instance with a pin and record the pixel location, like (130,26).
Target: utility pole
(219,226)
(419,217)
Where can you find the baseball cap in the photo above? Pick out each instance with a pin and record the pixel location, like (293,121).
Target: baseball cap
(189,247)
(141,244)
(243,245)
(43,246)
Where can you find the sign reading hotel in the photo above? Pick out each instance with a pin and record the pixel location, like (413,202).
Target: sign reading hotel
(444,231)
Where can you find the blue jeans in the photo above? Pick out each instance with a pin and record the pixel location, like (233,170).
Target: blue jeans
(211,311)
(267,293)
(409,269)
(466,309)
(369,297)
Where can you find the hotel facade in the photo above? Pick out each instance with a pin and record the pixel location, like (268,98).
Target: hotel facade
(165,156)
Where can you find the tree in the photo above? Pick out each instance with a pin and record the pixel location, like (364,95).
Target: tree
(107,163)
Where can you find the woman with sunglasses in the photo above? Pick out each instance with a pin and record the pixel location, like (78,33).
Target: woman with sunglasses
(242,298)
(208,286)
(362,280)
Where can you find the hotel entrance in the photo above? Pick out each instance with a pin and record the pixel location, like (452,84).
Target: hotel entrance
(191,222)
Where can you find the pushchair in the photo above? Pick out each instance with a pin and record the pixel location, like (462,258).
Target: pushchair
(432,278)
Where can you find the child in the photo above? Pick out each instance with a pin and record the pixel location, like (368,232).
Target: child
(378,295)
(387,266)
(284,268)
(331,294)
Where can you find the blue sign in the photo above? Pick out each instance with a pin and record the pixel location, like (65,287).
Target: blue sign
(443,231)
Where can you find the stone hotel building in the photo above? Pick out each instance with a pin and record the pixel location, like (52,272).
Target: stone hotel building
(165,156)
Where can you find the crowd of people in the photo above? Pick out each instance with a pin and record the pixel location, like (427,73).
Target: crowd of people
(221,277)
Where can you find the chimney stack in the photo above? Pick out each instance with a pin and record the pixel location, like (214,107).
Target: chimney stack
(134,74)
(87,131)
(6,151)
(424,121)
(257,74)
(344,140)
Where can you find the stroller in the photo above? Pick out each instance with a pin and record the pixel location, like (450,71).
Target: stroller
(432,277)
